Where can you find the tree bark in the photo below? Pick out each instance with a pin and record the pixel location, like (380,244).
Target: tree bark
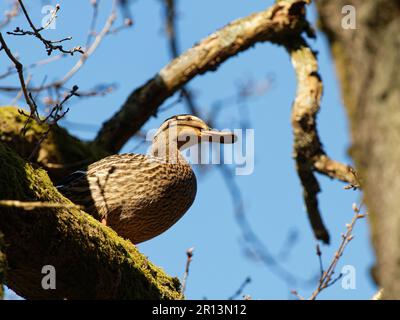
(367,60)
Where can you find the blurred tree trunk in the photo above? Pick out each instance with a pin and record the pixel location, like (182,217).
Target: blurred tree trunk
(367,60)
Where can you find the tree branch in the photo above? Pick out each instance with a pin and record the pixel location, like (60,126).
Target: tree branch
(19,68)
(91,261)
(273,24)
(308,151)
(50,45)
(60,154)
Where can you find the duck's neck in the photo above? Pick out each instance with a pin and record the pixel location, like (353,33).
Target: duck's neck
(164,147)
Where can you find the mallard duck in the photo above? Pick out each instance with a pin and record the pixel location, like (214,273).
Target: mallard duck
(141,196)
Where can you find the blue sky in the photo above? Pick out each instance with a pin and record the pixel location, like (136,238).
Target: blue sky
(272,194)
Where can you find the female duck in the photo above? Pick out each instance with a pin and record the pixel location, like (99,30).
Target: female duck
(142,196)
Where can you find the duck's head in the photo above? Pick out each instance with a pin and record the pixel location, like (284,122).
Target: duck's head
(186,130)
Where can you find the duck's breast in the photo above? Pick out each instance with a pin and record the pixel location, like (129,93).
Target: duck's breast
(149,198)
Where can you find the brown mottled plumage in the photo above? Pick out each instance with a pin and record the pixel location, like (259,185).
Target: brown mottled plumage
(142,196)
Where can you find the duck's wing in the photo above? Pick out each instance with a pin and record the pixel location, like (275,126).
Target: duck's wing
(82,186)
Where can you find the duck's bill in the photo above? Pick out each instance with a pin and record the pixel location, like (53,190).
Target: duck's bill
(218,136)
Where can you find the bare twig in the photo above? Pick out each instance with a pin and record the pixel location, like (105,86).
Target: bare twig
(53,117)
(50,45)
(20,92)
(296,294)
(321,265)
(189,255)
(18,65)
(32,205)
(56,112)
(239,291)
(326,279)
(95,6)
(171,31)
(378,295)
(51,20)
(106,30)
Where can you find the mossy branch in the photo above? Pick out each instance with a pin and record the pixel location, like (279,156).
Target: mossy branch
(90,260)
(60,153)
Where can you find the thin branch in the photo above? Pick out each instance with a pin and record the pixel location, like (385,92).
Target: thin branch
(171,31)
(189,255)
(20,92)
(95,7)
(239,291)
(32,205)
(50,45)
(56,112)
(296,294)
(378,295)
(55,115)
(106,30)
(326,280)
(321,265)
(19,67)
(51,20)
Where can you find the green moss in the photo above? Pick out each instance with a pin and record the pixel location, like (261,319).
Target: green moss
(12,121)
(169,287)
(11,177)
(60,153)
(87,254)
